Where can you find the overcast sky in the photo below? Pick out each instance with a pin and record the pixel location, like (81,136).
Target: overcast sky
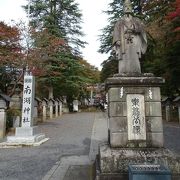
(93,18)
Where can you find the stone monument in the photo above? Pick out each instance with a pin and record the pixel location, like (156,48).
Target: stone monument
(134,107)
(27,133)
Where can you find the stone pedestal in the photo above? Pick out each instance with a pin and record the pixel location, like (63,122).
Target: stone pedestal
(112,163)
(135,127)
(135,117)
(26,135)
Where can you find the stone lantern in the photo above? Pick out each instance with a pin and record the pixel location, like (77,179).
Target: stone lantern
(4,101)
(44,105)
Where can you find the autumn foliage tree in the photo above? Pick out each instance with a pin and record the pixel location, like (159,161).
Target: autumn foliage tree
(11,57)
(172,59)
(10,48)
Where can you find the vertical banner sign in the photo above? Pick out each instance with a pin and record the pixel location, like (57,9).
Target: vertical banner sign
(28,100)
(136,117)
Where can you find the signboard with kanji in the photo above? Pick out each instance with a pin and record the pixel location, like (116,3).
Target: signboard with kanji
(136,117)
(28,100)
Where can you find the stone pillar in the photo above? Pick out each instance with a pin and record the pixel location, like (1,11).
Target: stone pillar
(44,112)
(27,133)
(15,103)
(44,105)
(2,119)
(51,111)
(51,104)
(60,108)
(2,123)
(56,108)
(168,113)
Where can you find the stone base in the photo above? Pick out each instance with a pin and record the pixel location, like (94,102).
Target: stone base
(112,163)
(26,135)
(126,117)
(29,139)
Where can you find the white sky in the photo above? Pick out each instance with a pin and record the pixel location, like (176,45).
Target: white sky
(93,18)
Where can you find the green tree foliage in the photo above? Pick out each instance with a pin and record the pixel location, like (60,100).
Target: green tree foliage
(110,67)
(61,17)
(56,36)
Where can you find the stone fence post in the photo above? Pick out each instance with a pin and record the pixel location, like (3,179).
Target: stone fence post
(44,105)
(56,108)
(166,102)
(51,105)
(176,102)
(2,118)
(16,103)
(60,108)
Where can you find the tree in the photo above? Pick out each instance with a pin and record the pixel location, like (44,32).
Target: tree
(56,36)
(11,57)
(110,67)
(61,17)
(10,47)
(172,51)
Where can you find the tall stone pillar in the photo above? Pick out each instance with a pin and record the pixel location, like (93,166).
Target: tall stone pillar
(27,133)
